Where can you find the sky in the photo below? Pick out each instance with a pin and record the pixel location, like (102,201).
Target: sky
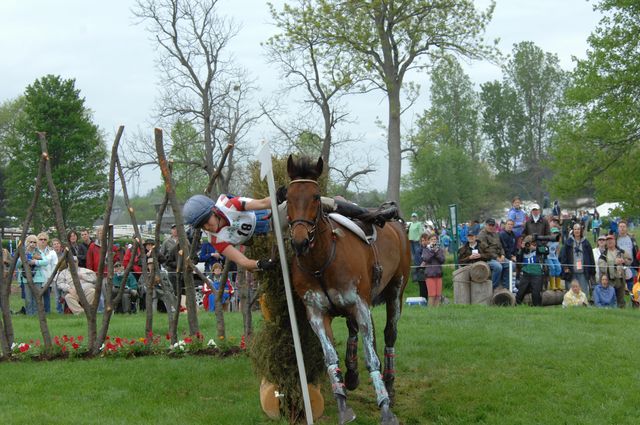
(111,57)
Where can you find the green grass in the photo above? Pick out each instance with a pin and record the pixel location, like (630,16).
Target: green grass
(455,364)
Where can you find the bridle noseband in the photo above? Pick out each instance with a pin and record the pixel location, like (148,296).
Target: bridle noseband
(310,225)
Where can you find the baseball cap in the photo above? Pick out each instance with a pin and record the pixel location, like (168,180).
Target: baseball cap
(535,207)
(602,238)
(610,237)
(414,214)
(490,222)
(473,232)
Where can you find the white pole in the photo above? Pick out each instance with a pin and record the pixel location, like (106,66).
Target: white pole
(510,276)
(265,156)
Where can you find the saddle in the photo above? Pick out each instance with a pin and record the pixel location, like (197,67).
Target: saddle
(365,231)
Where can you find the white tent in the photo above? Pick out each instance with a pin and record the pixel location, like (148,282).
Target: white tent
(605,209)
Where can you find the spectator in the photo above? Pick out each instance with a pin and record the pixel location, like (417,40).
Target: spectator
(415,230)
(595,226)
(83,248)
(64,281)
(556,211)
(497,262)
(74,246)
(536,225)
(52,261)
(433,259)
(445,240)
(6,261)
(604,295)
(473,251)
(463,231)
(169,242)
(208,255)
(553,263)
(613,227)
(36,261)
(598,251)
(130,291)
(137,261)
(612,264)
(57,247)
(531,279)
(577,259)
(418,271)
(212,287)
(635,293)
(575,297)
(628,244)
(518,216)
(93,252)
(509,245)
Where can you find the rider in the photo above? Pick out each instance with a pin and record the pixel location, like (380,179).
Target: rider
(229,223)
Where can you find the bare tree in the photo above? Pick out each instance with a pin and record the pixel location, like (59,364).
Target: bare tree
(199,81)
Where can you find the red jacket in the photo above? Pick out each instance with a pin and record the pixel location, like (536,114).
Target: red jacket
(93,257)
(136,261)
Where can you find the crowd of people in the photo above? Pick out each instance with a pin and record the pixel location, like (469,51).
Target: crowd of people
(542,252)
(42,258)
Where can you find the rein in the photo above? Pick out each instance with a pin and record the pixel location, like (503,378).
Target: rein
(320,215)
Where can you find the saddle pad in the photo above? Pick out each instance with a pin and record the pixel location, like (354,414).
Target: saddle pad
(353,227)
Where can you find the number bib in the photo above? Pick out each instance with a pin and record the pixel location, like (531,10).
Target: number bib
(241,226)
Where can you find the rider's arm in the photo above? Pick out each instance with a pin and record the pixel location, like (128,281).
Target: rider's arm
(258,204)
(239,258)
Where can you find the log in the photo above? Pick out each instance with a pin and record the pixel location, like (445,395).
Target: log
(481,293)
(461,292)
(479,272)
(548,298)
(503,297)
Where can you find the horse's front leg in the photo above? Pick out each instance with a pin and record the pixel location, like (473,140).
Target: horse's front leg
(321,325)
(365,324)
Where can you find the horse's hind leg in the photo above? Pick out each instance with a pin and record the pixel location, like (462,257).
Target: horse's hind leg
(351,378)
(365,324)
(394,308)
(321,325)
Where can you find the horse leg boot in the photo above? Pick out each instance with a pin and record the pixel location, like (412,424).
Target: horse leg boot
(378,217)
(345,413)
(389,373)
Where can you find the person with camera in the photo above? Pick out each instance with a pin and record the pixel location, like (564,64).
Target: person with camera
(576,259)
(432,260)
(531,271)
(536,224)
(612,263)
(473,251)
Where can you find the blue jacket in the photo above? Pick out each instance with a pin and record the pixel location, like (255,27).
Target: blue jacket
(604,297)
(37,271)
(205,256)
(519,217)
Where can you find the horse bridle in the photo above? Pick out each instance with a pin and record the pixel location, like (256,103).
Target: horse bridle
(310,225)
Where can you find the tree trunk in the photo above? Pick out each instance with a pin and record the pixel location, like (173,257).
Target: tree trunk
(218,303)
(192,313)
(393,143)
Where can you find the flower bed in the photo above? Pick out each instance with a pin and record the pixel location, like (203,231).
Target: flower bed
(66,347)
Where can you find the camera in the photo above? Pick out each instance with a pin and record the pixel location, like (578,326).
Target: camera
(545,239)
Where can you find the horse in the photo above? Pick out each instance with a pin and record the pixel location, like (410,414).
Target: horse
(336,273)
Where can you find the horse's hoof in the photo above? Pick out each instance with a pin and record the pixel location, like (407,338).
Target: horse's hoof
(387,417)
(351,380)
(347,415)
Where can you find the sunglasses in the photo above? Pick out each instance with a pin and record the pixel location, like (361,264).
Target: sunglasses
(44,240)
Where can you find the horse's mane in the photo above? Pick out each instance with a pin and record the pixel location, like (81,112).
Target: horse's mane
(304,168)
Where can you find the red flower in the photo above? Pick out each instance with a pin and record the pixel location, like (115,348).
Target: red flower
(65,338)
(242,343)
(80,338)
(168,337)
(119,341)
(132,342)
(111,347)
(188,340)
(150,334)
(75,345)
(71,339)
(56,340)
(24,347)
(64,348)
(199,335)
(146,341)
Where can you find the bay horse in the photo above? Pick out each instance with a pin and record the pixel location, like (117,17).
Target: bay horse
(336,273)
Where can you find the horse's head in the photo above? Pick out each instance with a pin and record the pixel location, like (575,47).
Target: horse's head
(303,202)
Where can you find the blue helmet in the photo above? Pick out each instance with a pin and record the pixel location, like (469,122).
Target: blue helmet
(197,210)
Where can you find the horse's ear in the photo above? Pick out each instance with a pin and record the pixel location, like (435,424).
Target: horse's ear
(319,166)
(290,165)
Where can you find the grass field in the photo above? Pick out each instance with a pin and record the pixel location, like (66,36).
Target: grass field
(455,364)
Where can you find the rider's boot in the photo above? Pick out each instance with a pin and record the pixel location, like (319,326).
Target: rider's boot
(379,217)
